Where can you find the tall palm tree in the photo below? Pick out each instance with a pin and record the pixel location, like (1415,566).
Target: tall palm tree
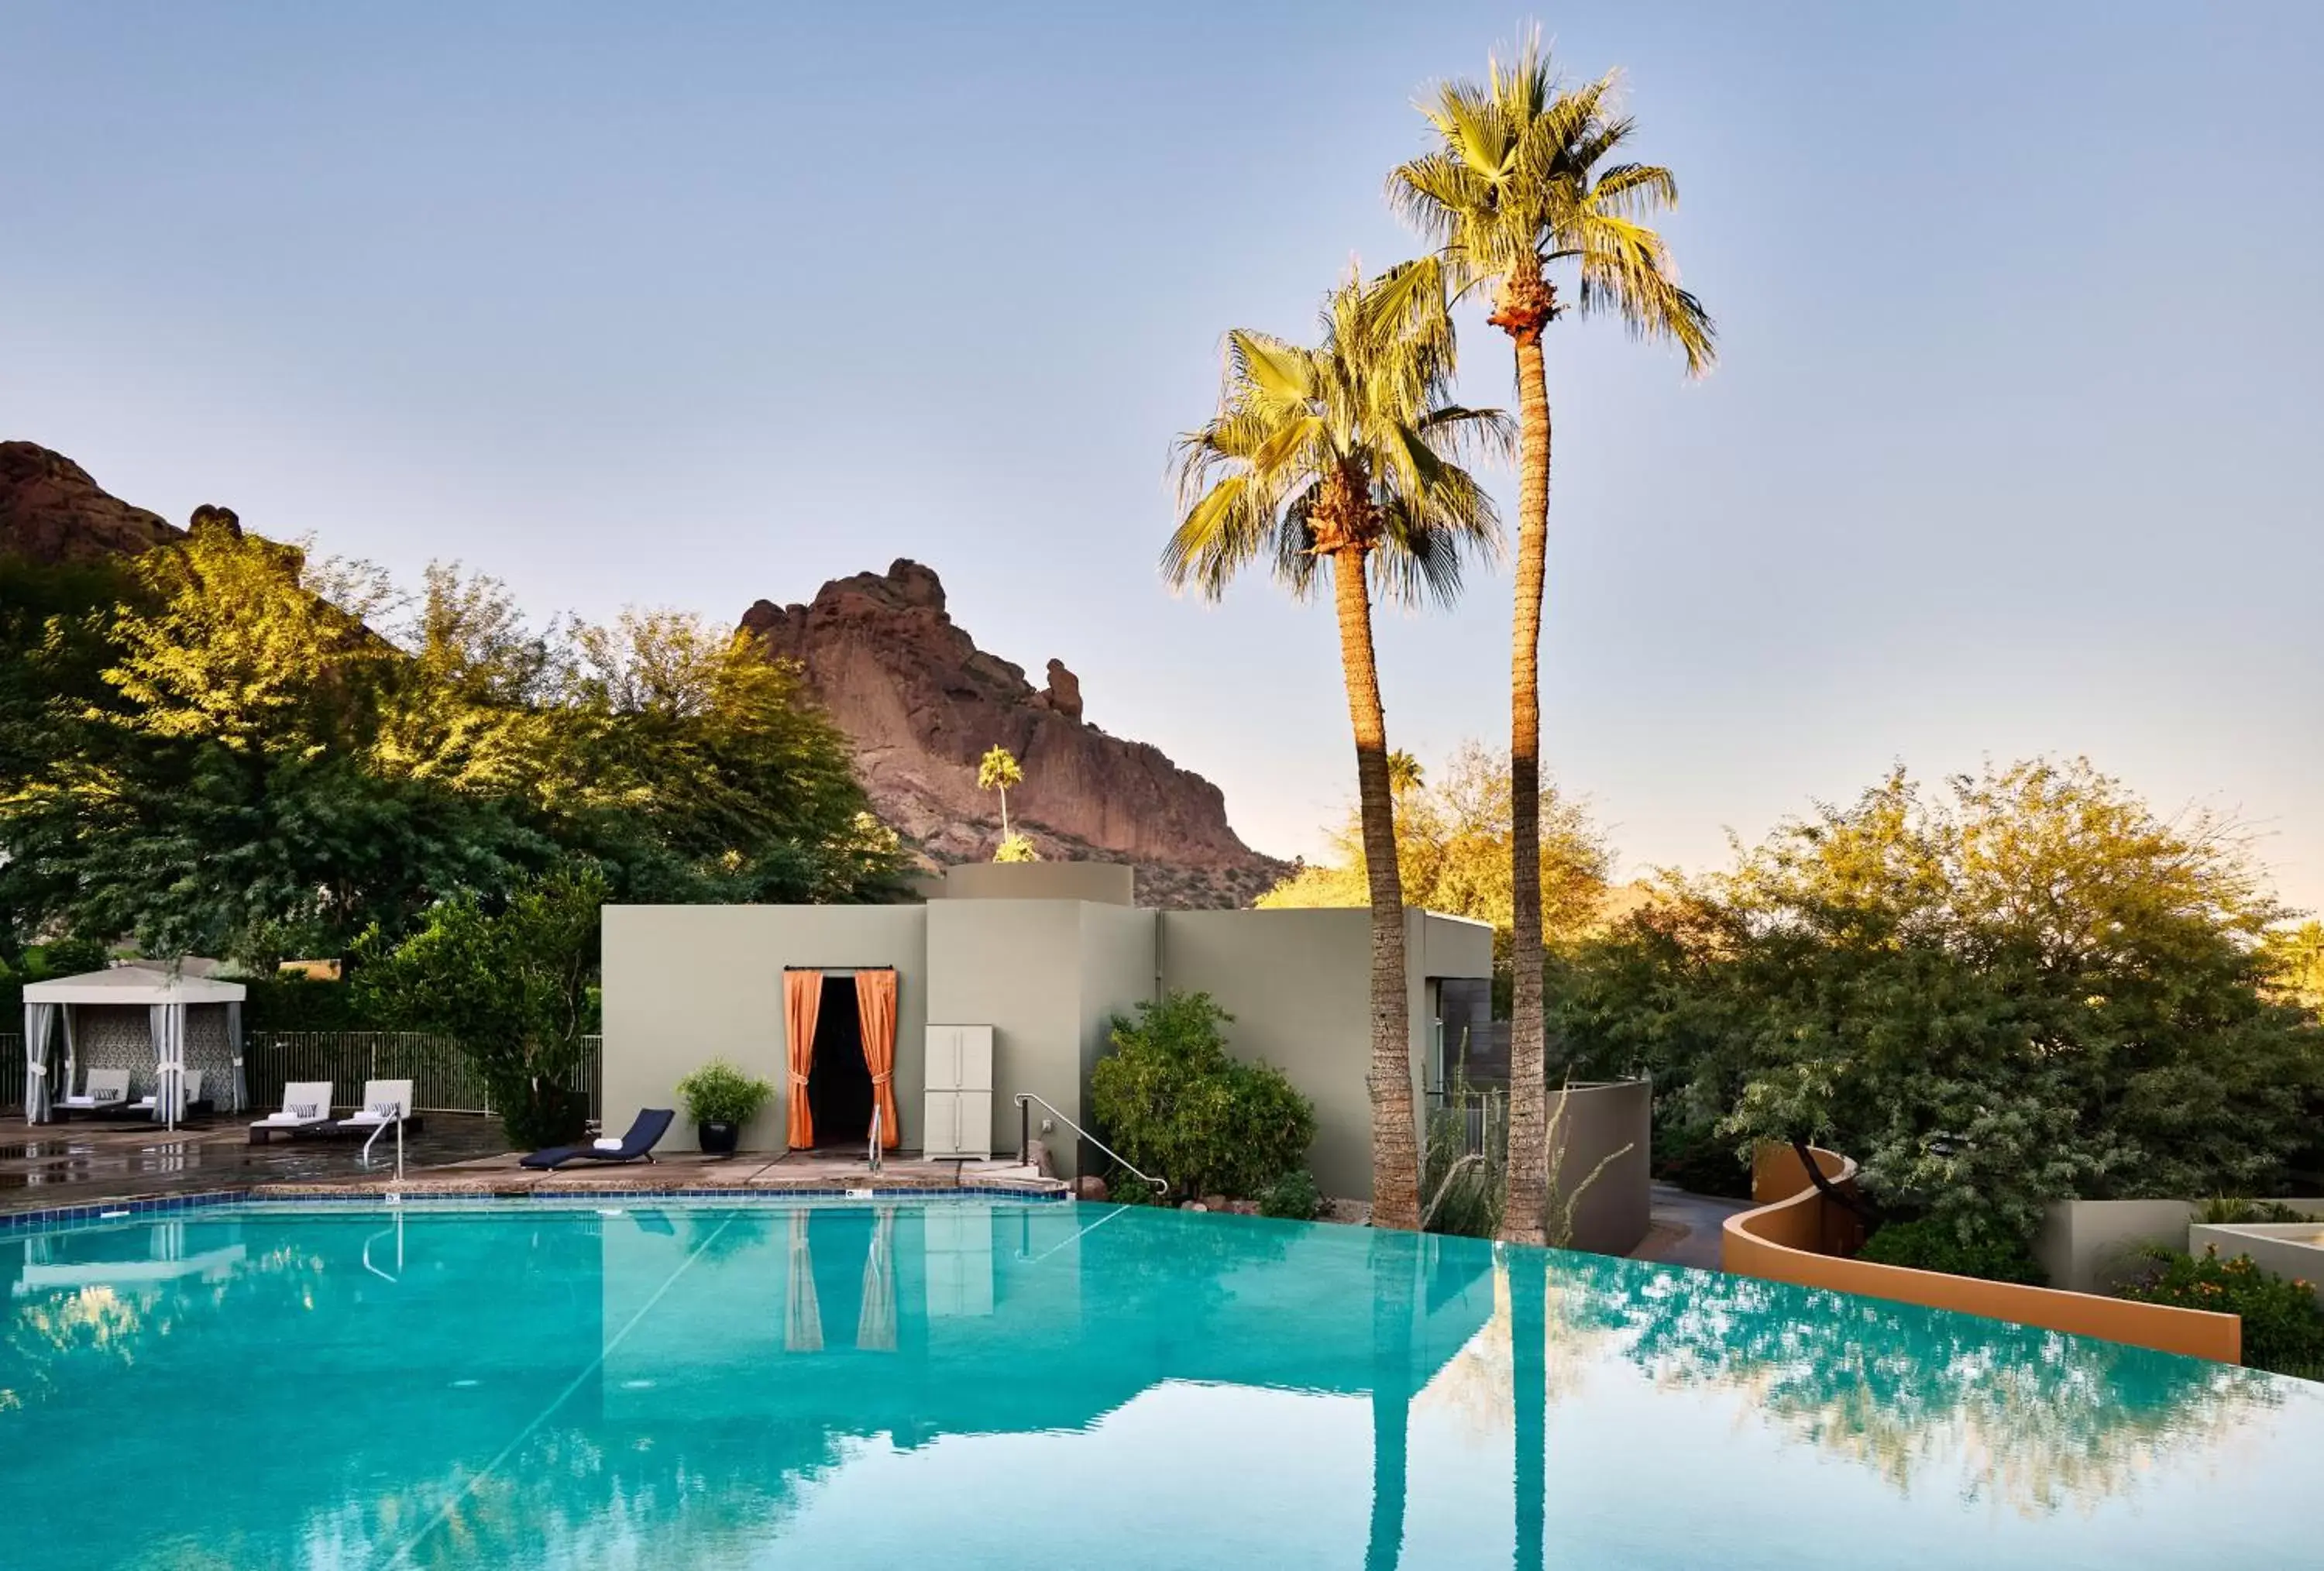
(1520,184)
(1339,465)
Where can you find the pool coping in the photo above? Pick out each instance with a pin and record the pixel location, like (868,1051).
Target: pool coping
(427,1196)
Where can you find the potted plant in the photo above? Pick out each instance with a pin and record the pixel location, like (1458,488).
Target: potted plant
(722,1099)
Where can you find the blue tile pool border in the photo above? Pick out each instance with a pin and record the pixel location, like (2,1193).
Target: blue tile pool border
(46,1218)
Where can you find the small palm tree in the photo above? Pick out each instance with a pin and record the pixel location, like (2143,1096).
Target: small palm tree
(1520,184)
(1337,465)
(998,771)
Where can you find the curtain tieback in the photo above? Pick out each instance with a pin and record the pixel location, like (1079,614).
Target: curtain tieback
(881,1079)
(797,1079)
(38,1068)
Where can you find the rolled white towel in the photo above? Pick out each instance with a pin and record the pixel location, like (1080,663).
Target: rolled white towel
(607,1143)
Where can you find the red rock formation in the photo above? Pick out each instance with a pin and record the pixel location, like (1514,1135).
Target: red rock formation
(53,512)
(923,703)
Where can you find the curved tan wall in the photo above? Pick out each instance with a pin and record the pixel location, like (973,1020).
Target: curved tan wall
(1785,1241)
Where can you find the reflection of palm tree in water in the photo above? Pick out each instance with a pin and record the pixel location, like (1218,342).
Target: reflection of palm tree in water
(1529,1274)
(1394,1269)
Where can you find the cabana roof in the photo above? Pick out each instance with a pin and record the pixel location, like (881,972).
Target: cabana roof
(133,984)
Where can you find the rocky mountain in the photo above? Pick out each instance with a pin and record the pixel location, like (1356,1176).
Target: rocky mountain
(51,511)
(923,704)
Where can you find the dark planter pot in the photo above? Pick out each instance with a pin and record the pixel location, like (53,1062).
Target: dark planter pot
(718,1139)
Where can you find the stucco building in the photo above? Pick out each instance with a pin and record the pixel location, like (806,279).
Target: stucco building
(1046,954)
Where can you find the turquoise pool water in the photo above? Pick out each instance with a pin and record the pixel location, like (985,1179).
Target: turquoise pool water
(968,1385)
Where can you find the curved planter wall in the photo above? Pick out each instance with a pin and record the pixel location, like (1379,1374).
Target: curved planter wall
(1785,1241)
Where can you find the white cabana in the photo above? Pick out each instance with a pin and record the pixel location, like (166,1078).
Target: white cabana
(52,1011)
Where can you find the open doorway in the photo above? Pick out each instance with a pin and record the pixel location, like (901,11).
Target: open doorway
(839,1082)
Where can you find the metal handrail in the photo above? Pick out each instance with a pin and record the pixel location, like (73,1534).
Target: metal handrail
(1025,1141)
(873,1159)
(398,1122)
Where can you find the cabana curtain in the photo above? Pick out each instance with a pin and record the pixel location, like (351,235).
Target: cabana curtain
(875,1006)
(40,1024)
(234,1049)
(802,1002)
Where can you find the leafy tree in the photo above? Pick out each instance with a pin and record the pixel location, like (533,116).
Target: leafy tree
(2026,987)
(1336,466)
(516,988)
(1520,184)
(996,771)
(1452,840)
(257,771)
(695,768)
(2295,959)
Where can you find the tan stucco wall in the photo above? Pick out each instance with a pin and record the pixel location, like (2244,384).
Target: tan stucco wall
(1099,882)
(1612,1124)
(1298,984)
(2090,1246)
(684,985)
(1012,965)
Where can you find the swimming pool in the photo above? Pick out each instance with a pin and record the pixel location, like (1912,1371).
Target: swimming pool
(969,1384)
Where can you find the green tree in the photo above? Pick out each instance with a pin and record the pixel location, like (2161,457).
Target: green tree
(2295,958)
(2023,988)
(1337,465)
(516,988)
(246,765)
(1453,838)
(1520,183)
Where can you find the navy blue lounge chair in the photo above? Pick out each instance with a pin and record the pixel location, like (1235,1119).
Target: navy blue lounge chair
(637,1146)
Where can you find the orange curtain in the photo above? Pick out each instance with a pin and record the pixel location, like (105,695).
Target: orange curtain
(802,1002)
(875,1005)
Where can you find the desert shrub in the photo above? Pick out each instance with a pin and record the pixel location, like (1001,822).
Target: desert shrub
(1935,1244)
(2284,1327)
(1293,1196)
(1461,1192)
(1172,1101)
(2228,1209)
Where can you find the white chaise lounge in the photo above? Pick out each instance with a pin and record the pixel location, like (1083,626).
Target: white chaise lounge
(144,1106)
(305,1105)
(383,1102)
(106,1091)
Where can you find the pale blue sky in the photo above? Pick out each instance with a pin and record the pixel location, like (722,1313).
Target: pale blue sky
(2013,449)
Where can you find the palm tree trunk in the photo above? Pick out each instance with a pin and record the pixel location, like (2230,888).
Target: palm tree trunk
(1396,1157)
(1529,1172)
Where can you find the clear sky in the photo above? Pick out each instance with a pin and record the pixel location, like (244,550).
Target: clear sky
(2013,447)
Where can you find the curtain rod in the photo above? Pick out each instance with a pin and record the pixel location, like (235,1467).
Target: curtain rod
(839,967)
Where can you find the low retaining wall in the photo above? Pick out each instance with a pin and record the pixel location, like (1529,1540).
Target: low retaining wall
(1784,1240)
(2091,1246)
(1597,1123)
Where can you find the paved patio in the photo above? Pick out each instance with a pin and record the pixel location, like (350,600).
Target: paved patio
(1687,1228)
(79,1164)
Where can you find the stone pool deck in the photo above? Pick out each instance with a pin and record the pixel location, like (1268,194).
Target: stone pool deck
(86,1163)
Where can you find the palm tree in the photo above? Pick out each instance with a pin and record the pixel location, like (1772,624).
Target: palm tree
(1520,184)
(996,771)
(1337,465)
